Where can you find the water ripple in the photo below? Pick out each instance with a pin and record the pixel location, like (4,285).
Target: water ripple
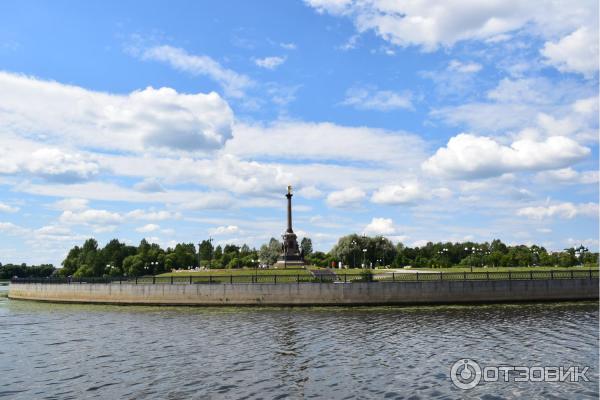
(75,351)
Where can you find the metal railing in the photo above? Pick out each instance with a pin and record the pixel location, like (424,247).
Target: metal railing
(327,278)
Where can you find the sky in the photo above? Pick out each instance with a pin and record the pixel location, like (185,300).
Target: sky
(442,120)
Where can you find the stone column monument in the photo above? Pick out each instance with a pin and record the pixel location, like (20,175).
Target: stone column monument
(291,256)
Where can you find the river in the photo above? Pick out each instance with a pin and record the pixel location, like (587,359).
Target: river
(60,351)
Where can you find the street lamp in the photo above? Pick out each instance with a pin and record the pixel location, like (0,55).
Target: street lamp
(579,253)
(443,252)
(210,240)
(383,250)
(354,253)
(472,250)
(364,258)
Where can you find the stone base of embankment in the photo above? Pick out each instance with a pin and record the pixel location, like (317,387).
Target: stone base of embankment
(364,293)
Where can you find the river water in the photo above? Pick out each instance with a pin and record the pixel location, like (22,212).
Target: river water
(60,351)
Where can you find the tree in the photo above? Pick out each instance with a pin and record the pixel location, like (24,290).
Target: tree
(71,262)
(269,252)
(206,250)
(307,248)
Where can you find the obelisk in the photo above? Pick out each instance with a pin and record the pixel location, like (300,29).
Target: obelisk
(290,256)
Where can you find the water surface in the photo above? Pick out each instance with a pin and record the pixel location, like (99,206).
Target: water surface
(59,351)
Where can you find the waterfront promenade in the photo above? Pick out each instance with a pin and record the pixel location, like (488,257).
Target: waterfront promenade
(303,290)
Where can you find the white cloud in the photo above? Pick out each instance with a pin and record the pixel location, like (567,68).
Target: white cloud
(398,194)
(380,226)
(8,208)
(49,163)
(269,62)
(96,218)
(430,24)
(567,176)
(148,228)
(150,118)
(149,185)
(470,156)
(233,83)
(310,192)
(466,68)
(349,197)
(381,100)
(225,230)
(576,52)
(153,215)
(57,165)
(72,204)
(326,141)
(209,201)
(562,210)
(288,46)
(11,229)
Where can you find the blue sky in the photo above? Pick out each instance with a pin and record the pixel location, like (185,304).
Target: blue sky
(416,120)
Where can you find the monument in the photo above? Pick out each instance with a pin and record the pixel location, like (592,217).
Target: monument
(291,256)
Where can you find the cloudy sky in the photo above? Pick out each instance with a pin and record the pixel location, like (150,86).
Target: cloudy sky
(420,120)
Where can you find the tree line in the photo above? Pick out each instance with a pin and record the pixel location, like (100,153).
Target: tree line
(118,259)
(7,271)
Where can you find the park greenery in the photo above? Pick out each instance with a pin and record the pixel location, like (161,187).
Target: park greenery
(7,271)
(352,251)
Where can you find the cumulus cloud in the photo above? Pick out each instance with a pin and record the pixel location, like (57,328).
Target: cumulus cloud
(431,24)
(269,62)
(225,230)
(380,226)
(576,52)
(11,229)
(514,104)
(57,165)
(349,197)
(232,82)
(150,118)
(470,156)
(72,204)
(148,228)
(398,194)
(567,176)
(48,163)
(91,217)
(566,210)
(149,185)
(380,100)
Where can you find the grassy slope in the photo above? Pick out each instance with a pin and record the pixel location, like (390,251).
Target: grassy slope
(356,271)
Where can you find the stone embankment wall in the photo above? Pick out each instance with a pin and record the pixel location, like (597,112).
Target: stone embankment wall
(364,293)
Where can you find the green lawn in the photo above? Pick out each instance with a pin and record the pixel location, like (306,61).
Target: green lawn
(500,269)
(304,275)
(238,272)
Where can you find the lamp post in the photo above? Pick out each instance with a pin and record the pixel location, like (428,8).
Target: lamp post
(382,251)
(443,252)
(364,258)
(210,240)
(354,253)
(579,253)
(472,250)
(199,260)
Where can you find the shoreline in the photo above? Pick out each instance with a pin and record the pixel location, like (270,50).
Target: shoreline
(311,294)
